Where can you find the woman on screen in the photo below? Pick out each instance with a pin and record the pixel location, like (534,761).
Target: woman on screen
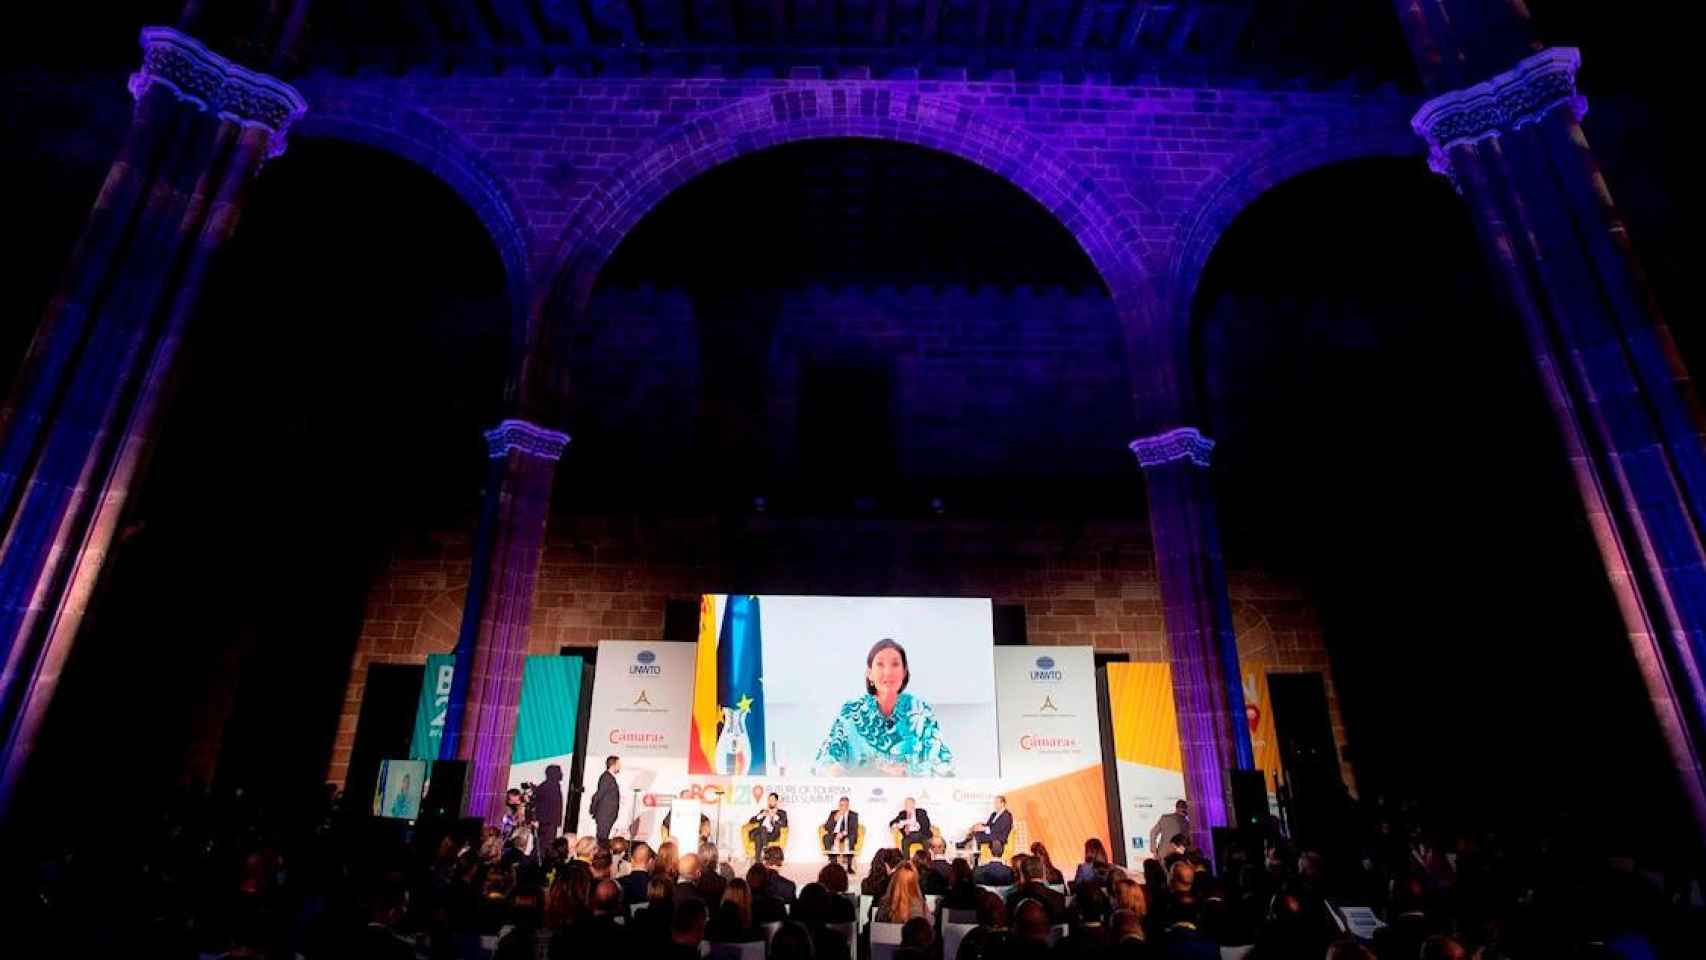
(400,803)
(887,732)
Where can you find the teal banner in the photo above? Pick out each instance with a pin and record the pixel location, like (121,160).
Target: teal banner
(550,708)
(430,712)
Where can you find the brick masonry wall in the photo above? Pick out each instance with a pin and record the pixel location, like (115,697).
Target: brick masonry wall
(1145,177)
(612,578)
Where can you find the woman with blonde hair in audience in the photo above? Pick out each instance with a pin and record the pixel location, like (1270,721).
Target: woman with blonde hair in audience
(903,899)
(667,861)
(1128,895)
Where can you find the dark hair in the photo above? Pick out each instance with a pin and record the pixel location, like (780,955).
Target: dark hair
(1094,852)
(833,876)
(773,855)
(775,794)
(610,760)
(879,647)
(690,915)
(845,800)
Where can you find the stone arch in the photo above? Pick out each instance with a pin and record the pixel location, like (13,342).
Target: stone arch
(1303,146)
(418,138)
(1106,231)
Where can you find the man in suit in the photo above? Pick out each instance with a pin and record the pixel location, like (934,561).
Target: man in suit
(548,805)
(765,827)
(1031,887)
(913,821)
(995,830)
(607,799)
(781,887)
(1169,826)
(635,883)
(842,827)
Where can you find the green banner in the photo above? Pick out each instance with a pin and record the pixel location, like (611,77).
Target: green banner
(550,708)
(429,713)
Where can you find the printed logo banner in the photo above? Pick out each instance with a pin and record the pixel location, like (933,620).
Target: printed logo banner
(1146,744)
(642,696)
(434,702)
(1051,746)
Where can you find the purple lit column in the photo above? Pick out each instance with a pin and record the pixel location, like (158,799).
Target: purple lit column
(1208,692)
(499,606)
(78,422)
(1631,421)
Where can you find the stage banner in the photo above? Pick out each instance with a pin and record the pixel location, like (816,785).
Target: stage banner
(545,726)
(1146,745)
(642,695)
(430,711)
(1049,730)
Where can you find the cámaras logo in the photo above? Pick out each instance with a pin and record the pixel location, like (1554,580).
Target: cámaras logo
(636,738)
(1031,742)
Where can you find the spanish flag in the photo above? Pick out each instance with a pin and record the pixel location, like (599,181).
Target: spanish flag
(702,744)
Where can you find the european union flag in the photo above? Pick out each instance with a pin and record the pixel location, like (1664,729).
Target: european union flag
(740,673)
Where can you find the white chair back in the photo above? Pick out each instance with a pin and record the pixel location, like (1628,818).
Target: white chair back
(867,904)
(1056,887)
(963,917)
(1236,953)
(1056,932)
(738,951)
(1001,892)
(885,940)
(635,908)
(770,930)
(953,933)
(930,901)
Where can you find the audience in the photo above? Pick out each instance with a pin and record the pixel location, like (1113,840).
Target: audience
(219,877)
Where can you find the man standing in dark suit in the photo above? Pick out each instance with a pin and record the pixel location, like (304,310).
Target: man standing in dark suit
(548,805)
(766,826)
(996,829)
(914,825)
(606,800)
(842,828)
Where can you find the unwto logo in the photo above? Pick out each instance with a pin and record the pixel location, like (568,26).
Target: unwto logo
(1046,671)
(645,665)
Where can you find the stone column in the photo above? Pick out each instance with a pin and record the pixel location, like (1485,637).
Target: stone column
(1208,690)
(79,422)
(486,693)
(1632,424)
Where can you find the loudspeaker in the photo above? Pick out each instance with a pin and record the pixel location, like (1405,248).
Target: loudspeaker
(1249,799)
(447,790)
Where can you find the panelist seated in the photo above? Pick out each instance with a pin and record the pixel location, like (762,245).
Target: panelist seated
(913,826)
(995,830)
(841,831)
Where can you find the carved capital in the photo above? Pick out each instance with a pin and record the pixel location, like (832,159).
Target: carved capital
(197,75)
(1181,443)
(526,437)
(1514,99)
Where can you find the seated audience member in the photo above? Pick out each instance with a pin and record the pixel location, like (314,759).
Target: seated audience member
(687,879)
(877,878)
(933,884)
(833,877)
(733,922)
(1441,947)
(903,900)
(687,930)
(1031,887)
(619,853)
(994,873)
(989,939)
(1180,938)
(668,861)
(1095,865)
(1089,935)
(652,925)
(1050,874)
(766,907)
(962,889)
(780,887)
(639,875)
(917,935)
(792,942)
(711,880)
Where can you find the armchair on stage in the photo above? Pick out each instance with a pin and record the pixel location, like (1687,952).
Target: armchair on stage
(750,848)
(935,831)
(858,839)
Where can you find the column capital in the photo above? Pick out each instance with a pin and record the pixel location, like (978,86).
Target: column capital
(527,437)
(197,75)
(1180,443)
(1522,95)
